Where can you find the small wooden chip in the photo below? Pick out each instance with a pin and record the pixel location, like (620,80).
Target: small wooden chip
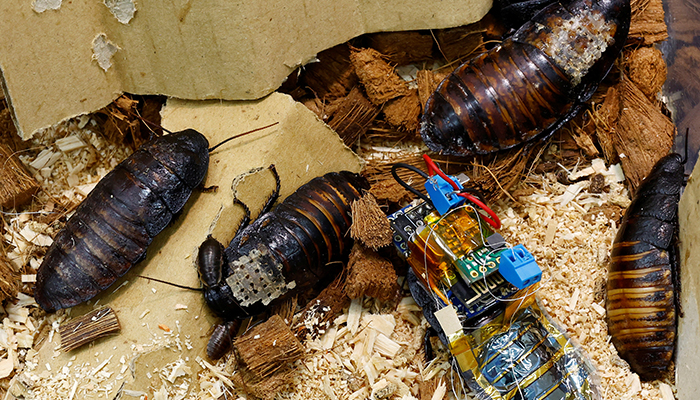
(17,186)
(86,328)
(426,389)
(318,314)
(369,223)
(9,278)
(389,191)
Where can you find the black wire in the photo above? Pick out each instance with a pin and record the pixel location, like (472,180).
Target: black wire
(406,185)
(475,192)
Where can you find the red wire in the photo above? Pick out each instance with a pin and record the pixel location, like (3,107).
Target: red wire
(434,169)
(495,222)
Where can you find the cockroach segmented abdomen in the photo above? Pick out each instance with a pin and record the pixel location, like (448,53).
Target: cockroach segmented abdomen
(292,248)
(222,338)
(113,227)
(642,291)
(531,84)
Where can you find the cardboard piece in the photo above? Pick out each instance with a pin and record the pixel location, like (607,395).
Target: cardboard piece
(59,63)
(687,350)
(300,146)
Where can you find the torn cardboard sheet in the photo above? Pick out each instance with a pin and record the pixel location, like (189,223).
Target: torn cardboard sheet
(186,49)
(687,350)
(164,329)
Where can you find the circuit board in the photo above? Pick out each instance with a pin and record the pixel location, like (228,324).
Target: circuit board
(476,299)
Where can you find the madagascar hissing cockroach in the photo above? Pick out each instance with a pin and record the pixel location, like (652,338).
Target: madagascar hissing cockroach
(643,279)
(287,250)
(112,228)
(530,84)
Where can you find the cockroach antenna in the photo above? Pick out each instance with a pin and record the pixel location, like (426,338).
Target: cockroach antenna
(241,134)
(199,289)
(685,146)
(147,123)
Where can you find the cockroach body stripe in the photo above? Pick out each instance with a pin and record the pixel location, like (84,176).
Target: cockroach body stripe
(285,251)
(113,227)
(643,280)
(531,84)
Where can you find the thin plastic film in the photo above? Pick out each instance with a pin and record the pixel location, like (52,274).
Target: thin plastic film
(524,355)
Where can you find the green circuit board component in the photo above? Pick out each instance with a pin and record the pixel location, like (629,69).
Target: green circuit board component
(479,263)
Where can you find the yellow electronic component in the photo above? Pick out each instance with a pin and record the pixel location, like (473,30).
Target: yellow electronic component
(445,240)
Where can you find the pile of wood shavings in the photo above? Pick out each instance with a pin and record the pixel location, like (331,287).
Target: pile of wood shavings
(97,379)
(570,232)
(568,229)
(369,351)
(67,160)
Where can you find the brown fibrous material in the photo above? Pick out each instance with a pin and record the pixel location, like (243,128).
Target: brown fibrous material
(268,347)
(605,119)
(17,186)
(333,76)
(131,120)
(403,48)
(427,82)
(267,388)
(404,112)
(84,329)
(8,132)
(647,69)
(370,274)
(351,115)
(379,79)
(644,134)
(320,312)
(648,21)
(460,43)
(369,223)
(388,191)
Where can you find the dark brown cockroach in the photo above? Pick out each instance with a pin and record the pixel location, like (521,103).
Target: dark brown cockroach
(113,227)
(529,85)
(643,278)
(285,251)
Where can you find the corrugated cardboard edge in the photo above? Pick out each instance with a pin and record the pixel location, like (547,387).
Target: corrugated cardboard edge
(300,146)
(687,349)
(204,50)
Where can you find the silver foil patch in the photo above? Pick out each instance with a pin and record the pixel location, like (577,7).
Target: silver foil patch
(252,280)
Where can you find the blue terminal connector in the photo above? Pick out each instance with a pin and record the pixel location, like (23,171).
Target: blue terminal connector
(518,266)
(442,194)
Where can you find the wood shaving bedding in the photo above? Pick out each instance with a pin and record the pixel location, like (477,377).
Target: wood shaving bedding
(568,229)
